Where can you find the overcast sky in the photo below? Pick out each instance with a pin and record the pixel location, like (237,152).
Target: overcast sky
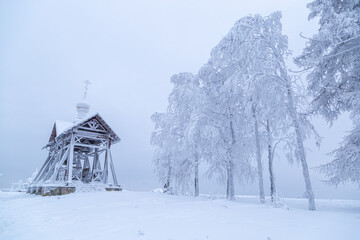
(128,50)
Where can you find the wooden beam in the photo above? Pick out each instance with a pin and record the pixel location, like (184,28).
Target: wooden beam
(42,168)
(87,145)
(58,165)
(71,159)
(113,170)
(91,135)
(106,164)
(49,171)
(46,168)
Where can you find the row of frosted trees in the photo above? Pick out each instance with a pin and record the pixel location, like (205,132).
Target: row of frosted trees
(241,103)
(241,107)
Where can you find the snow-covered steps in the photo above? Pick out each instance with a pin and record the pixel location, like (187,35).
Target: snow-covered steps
(88,189)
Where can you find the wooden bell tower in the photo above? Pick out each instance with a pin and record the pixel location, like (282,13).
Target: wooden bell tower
(79,156)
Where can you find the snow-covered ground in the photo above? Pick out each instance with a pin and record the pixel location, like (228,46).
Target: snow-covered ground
(147,215)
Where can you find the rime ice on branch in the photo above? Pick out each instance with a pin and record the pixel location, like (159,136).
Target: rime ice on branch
(333,57)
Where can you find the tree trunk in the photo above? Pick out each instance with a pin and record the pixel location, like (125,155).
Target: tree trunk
(196,180)
(258,157)
(301,150)
(271,158)
(230,181)
(227,182)
(230,192)
(167,187)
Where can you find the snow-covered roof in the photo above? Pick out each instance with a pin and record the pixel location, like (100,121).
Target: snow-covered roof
(63,127)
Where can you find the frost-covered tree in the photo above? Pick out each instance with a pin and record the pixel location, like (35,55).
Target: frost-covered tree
(227,149)
(346,163)
(165,153)
(333,57)
(254,52)
(178,135)
(186,101)
(232,65)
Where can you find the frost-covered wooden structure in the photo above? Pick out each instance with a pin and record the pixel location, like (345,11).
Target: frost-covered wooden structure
(79,156)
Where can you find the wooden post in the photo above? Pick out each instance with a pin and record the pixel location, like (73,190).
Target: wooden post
(96,164)
(106,163)
(113,170)
(86,172)
(52,167)
(46,170)
(43,168)
(59,164)
(71,158)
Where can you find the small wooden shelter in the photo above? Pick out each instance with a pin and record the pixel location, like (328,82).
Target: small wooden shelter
(79,156)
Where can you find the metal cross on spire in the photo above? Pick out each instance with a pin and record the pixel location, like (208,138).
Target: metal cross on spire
(87,82)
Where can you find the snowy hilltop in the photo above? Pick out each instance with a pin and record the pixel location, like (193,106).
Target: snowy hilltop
(155,216)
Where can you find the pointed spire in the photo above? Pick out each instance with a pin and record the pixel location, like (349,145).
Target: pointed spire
(87,83)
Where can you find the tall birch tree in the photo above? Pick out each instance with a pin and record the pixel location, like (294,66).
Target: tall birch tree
(255,51)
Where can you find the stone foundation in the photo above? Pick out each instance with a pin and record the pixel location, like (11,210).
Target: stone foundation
(51,190)
(110,189)
(63,190)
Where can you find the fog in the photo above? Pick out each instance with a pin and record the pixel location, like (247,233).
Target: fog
(128,50)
